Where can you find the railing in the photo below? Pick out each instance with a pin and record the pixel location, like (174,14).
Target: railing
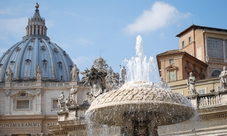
(209,100)
(58,84)
(44,84)
(23,84)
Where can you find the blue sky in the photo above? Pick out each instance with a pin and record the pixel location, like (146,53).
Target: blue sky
(108,28)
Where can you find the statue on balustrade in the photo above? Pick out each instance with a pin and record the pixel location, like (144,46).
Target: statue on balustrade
(223,79)
(61,101)
(163,84)
(38,73)
(123,74)
(70,101)
(112,80)
(9,74)
(75,73)
(191,84)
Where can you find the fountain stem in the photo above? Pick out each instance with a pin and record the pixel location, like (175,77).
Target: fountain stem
(154,131)
(141,128)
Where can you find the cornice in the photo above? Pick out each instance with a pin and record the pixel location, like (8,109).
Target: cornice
(28,117)
(22,117)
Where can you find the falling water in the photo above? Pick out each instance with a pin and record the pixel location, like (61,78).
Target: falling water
(139,68)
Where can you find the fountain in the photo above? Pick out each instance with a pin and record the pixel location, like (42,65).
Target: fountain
(140,106)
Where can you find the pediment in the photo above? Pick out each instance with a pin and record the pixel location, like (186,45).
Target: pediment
(22,95)
(171,67)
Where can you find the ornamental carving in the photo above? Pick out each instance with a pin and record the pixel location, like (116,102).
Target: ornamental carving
(38,92)
(7,92)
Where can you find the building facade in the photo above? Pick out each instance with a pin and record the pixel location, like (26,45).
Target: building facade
(202,52)
(40,85)
(33,73)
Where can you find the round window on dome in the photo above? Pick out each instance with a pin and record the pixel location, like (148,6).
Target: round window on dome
(18,49)
(43,48)
(55,50)
(30,47)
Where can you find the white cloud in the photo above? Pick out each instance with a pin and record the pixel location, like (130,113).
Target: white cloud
(14,27)
(7,11)
(162,35)
(83,42)
(81,60)
(160,15)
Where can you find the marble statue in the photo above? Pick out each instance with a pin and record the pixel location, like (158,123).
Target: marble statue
(163,84)
(75,73)
(123,74)
(191,84)
(112,79)
(38,73)
(223,79)
(9,74)
(70,101)
(95,78)
(100,63)
(61,102)
(73,92)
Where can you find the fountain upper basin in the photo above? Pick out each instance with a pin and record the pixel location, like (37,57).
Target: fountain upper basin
(141,101)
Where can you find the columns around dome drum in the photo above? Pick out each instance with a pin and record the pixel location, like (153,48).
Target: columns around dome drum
(36,30)
(36,25)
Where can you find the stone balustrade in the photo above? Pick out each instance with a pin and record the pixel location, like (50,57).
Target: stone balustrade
(53,84)
(23,84)
(209,100)
(44,84)
(212,99)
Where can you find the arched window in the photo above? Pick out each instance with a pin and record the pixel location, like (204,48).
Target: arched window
(215,73)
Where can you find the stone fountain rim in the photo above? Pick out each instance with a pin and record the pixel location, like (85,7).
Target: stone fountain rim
(114,104)
(118,121)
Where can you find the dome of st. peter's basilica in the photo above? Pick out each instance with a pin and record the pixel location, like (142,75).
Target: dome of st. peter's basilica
(36,51)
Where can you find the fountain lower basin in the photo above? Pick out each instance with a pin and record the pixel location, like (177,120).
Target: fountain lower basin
(140,102)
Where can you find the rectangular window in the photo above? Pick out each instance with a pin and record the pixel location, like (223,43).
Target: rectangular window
(189,40)
(182,44)
(219,88)
(172,76)
(171,61)
(215,48)
(201,91)
(225,48)
(22,104)
(55,104)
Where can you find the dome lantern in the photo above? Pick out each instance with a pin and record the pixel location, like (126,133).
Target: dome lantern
(36,25)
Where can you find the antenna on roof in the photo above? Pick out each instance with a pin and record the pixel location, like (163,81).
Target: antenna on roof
(192,22)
